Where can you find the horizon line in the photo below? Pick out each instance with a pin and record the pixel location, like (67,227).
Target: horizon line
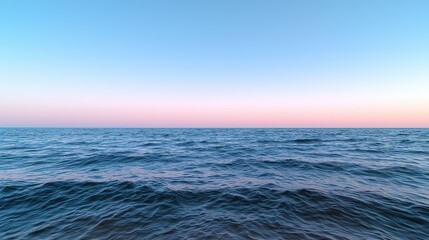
(85,127)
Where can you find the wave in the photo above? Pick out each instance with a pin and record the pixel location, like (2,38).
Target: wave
(395,172)
(149,144)
(307,140)
(362,150)
(118,158)
(186,144)
(214,183)
(305,165)
(350,168)
(300,140)
(131,209)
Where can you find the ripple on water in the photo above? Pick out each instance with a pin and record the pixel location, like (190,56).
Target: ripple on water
(214,183)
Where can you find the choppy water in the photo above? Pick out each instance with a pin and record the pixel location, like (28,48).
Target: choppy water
(214,183)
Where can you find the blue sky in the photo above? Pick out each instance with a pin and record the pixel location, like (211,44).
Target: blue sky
(179,59)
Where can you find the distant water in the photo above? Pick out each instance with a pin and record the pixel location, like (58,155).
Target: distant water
(214,184)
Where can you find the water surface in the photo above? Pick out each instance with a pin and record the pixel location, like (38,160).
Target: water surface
(214,183)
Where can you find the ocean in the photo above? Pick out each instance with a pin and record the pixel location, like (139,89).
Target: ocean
(214,183)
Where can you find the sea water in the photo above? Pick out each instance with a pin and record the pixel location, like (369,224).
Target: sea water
(214,183)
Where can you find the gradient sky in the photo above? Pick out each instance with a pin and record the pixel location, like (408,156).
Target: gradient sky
(223,63)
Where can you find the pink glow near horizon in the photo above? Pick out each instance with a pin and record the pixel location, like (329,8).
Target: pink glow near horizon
(374,116)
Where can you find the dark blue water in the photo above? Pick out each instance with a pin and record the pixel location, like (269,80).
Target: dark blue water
(214,183)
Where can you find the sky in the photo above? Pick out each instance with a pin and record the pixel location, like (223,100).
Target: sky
(223,63)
